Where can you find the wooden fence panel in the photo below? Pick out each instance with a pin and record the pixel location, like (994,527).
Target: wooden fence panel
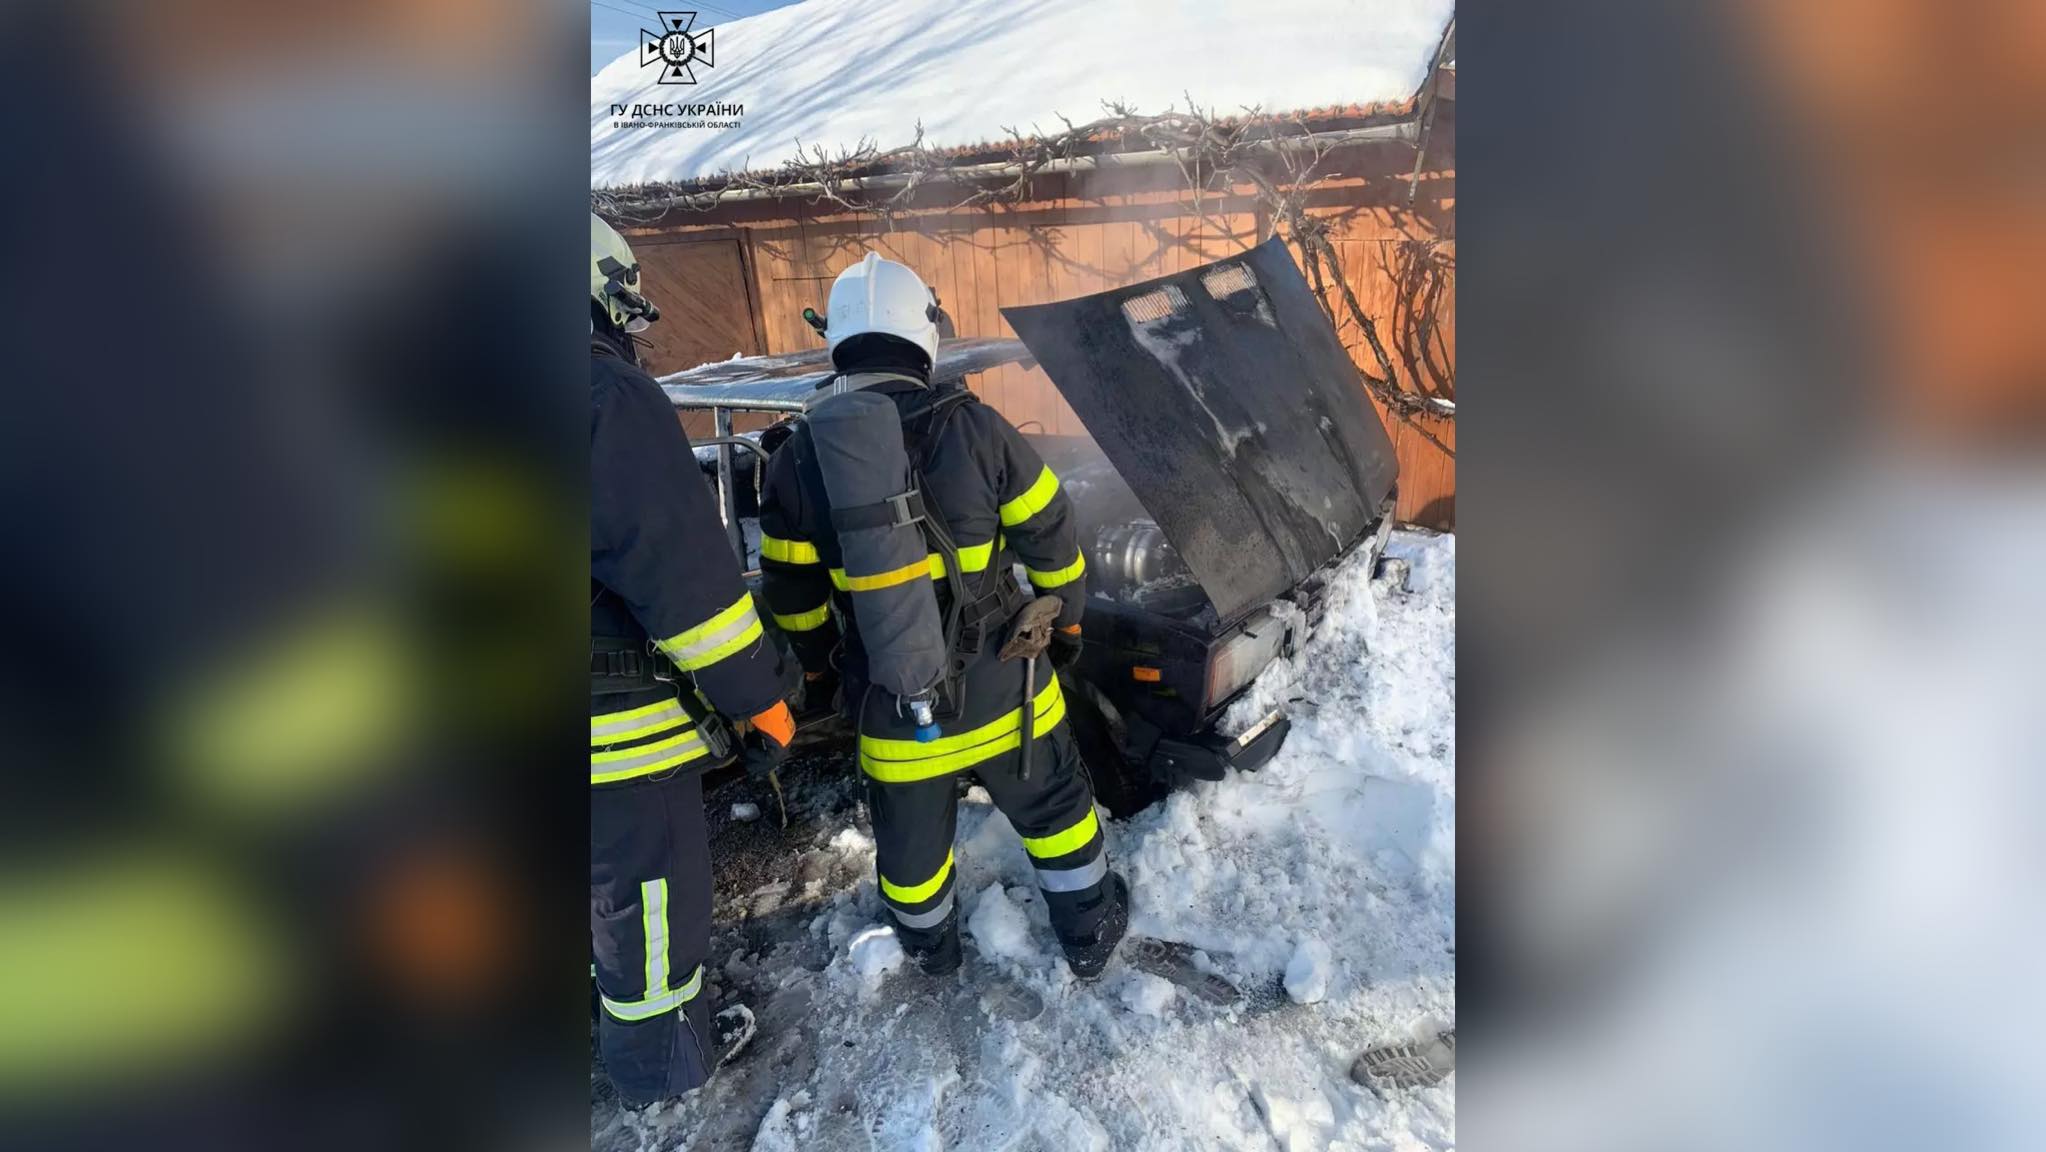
(706,303)
(988,316)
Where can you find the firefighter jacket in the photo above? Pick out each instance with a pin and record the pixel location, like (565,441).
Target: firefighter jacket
(661,570)
(999,501)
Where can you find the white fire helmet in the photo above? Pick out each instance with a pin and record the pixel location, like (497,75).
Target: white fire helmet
(877,295)
(614,279)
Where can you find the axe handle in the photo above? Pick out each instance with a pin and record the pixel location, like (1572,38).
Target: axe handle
(1029,718)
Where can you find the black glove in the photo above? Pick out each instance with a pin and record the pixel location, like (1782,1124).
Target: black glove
(1065,649)
(761,754)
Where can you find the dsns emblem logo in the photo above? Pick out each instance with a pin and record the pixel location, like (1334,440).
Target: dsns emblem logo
(675,47)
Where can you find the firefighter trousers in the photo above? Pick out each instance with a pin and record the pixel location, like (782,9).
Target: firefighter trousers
(650,904)
(912,794)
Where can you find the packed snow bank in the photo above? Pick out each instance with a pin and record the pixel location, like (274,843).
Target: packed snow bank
(999,927)
(875,952)
(836,72)
(1147,995)
(1328,878)
(1307,973)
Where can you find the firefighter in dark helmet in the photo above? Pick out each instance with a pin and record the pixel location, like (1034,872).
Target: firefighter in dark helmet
(982,492)
(677,655)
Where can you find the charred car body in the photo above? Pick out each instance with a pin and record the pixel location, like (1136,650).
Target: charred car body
(1233,461)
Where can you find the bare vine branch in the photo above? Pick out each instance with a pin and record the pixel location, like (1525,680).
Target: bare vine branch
(1279,158)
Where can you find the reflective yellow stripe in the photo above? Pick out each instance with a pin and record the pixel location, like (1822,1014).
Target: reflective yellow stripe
(641,712)
(906,761)
(1032,501)
(739,643)
(653,911)
(616,755)
(972,558)
(617,727)
(1063,576)
(655,1003)
(917,893)
(1072,839)
(887,749)
(787,551)
(677,760)
(805,621)
(880,580)
(646,759)
(723,634)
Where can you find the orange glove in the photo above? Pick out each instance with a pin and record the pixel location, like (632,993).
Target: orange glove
(778,722)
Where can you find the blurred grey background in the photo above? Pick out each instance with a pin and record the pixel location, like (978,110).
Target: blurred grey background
(293,476)
(1752,536)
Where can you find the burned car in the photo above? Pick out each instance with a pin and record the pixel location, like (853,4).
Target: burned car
(1232,461)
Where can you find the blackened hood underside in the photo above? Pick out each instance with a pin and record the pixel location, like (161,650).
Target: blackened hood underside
(1224,398)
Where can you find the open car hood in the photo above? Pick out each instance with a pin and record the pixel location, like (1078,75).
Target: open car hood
(1224,398)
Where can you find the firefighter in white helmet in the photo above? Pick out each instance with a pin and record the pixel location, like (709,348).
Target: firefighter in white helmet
(982,493)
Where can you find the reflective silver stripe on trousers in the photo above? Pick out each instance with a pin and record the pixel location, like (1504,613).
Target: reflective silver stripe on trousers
(930,919)
(1073,879)
(688,655)
(627,763)
(673,710)
(653,900)
(651,1006)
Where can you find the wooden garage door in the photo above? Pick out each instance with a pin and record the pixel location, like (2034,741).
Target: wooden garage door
(705,300)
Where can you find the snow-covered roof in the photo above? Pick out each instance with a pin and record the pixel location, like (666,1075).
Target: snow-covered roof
(839,72)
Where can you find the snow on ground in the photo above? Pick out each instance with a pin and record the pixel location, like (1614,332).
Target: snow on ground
(835,72)
(1323,885)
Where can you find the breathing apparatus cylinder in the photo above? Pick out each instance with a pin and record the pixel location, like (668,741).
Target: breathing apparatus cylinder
(867,475)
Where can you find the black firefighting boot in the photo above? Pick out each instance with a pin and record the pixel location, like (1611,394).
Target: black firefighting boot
(936,951)
(1087,957)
